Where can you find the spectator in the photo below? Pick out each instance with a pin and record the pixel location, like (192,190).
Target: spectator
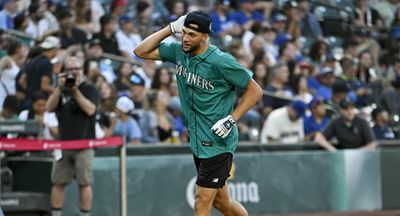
(146,20)
(260,74)
(48,120)
(118,7)
(318,120)
(125,125)
(175,108)
(75,104)
(381,128)
(277,86)
(176,8)
(126,36)
(340,91)
(366,73)
(350,52)
(122,83)
(294,18)
(108,40)
(269,34)
(108,96)
(390,98)
(95,52)
(10,9)
(137,93)
(387,10)
(288,55)
(85,18)
(68,34)
(162,79)
(157,123)
(309,24)
(279,23)
(10,108)
(91,69)
(37,24)
(247,14)
(223,22)
(38,74)
(21,22)
(365,16)
(326,79)
(318,53)
(285,125)
(10,67)
(299,85)
(350,130)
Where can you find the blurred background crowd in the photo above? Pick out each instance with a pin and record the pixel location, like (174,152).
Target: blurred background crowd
(307,55)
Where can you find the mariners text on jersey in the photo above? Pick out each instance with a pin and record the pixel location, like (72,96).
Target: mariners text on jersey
(194,79)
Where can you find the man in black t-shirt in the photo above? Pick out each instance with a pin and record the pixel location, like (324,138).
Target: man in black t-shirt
(75,103)
(108,40)
(350,130)
(39,71)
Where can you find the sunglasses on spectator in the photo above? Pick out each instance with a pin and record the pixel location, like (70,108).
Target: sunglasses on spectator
(73,69)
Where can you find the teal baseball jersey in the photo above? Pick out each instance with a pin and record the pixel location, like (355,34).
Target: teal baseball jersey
(206,85)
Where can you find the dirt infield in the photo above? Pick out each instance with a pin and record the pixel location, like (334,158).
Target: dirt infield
(375,213)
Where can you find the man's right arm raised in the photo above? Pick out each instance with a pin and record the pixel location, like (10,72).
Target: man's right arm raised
(148,48)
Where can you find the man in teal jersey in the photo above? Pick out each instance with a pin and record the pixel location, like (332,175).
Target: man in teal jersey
(206,79)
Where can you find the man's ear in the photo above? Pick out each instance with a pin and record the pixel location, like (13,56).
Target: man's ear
(205,38)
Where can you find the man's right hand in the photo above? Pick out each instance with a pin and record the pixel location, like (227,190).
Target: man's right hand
(61,80)
(177,25)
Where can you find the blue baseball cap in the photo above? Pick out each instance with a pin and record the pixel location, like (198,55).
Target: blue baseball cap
(125,18)
(315,101)
(300,107)
(278,17)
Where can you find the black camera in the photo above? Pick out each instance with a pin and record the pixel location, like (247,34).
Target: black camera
(70,80)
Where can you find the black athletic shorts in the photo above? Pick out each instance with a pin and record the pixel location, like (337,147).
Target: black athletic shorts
(213,172)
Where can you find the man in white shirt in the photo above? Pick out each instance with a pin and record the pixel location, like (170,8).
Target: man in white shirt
(37,24)
(127,39)
(285,125)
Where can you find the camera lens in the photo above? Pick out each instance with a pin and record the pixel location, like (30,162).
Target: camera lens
(70,80)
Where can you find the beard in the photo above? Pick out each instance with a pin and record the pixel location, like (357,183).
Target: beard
(191,49)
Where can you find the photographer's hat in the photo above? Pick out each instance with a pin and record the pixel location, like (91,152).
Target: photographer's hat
(201,19)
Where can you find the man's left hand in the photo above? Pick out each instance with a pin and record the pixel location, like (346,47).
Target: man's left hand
(224,126)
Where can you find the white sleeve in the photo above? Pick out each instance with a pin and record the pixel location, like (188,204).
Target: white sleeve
(270,129)
(23,116)
(50,119)
(99,131)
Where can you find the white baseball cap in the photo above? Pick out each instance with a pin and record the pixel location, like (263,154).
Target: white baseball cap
(50,42)
(125,104)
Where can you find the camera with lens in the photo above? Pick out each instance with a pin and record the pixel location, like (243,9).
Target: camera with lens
(70,80)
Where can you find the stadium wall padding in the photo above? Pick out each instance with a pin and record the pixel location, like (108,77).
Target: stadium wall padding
(264,182)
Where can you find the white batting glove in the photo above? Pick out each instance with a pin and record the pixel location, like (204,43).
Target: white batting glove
(177,25)
(224,126)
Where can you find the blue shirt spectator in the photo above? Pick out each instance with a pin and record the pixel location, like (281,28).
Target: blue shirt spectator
(7,14)
(222,20)
(125,124)
(129,128)
(247,13)
(311,125)
(318,120)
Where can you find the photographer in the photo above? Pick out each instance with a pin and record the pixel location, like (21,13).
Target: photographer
(75,102)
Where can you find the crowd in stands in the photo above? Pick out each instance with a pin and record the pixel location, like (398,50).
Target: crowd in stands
(307,71)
